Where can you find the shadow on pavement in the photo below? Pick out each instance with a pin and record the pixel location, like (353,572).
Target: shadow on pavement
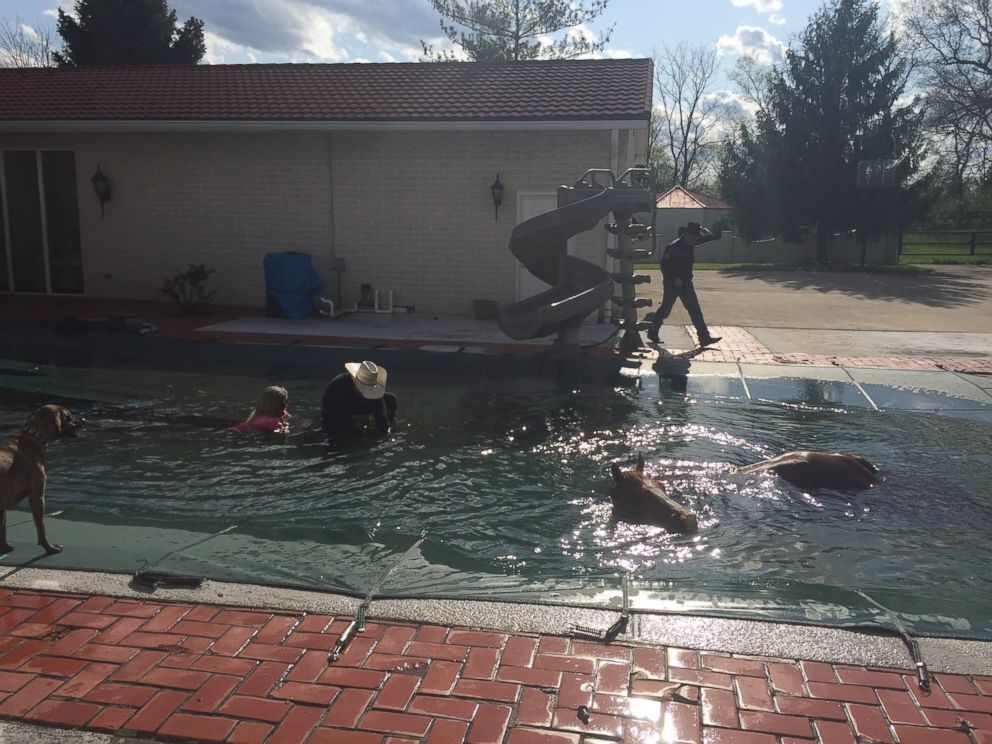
(939,289)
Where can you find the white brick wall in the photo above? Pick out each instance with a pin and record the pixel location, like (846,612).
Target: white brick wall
(412,211)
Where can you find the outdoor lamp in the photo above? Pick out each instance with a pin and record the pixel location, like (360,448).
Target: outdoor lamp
(101,185)
(497,189)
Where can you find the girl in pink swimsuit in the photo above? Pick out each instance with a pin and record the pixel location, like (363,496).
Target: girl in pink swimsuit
(270,412)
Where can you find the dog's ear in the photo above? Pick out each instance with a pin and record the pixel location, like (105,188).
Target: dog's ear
(615,470)
(45,421)
(60,417)
(640,463)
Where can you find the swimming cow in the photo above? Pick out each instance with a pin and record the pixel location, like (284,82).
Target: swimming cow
(812,470)
(641,499)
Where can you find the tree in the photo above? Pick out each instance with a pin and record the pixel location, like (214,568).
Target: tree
(23,46)
(513,30)
(952,42)
(688,114)
(753,80)
(834,102)
(659,162)
(128,32)
(745,163)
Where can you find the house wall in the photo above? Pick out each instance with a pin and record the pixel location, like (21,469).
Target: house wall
(409,211)
(433,235)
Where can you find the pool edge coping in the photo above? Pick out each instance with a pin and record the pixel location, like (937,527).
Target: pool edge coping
(773,638)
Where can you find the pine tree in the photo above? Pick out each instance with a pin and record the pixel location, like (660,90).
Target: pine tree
(128,32)
(833,103)
(513,30)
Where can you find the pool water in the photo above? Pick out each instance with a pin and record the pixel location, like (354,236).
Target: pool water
(510,480)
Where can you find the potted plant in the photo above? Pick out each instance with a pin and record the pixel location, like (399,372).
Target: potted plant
(188,289)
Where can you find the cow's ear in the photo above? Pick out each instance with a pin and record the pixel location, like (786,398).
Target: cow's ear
(640,463)
(615,470)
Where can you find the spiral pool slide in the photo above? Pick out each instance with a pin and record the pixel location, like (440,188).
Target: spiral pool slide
(578,287)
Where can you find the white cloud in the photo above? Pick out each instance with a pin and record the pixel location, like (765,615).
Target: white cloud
(762,6)
(732,104)
(29,32)
(776,19)
(69,6)
(221,51)
(618,54)
(312,30)
(754,41)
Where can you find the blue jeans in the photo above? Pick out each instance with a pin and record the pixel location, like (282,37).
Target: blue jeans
(686,293)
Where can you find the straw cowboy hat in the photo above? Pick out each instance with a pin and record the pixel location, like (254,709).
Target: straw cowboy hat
(368,377)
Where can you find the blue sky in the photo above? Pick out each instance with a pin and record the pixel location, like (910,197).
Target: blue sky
(390,30)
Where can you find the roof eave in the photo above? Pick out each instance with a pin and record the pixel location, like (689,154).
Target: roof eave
(312,125)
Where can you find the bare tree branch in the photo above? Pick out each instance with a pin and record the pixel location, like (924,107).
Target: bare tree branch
(25,46)
(952,42)
(689,114)
(753,81)
(510,30)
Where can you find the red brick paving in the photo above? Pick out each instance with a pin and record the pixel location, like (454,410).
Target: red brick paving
(436,684)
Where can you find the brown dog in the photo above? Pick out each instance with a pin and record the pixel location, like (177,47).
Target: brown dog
(812,470)
(640,498)
(22,467)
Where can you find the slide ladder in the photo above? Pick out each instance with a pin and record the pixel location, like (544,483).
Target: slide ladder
(578,287)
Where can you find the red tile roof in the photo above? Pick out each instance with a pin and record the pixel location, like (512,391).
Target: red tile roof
(681,197)
(562,90)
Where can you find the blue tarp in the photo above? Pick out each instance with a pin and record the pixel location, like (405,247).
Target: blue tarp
(292,282)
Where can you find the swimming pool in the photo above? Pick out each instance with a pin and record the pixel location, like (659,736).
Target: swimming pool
(509,477)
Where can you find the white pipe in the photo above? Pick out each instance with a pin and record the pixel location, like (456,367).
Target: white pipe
(378,308)
(330,312)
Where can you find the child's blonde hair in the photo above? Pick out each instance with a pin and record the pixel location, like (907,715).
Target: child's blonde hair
(272,402)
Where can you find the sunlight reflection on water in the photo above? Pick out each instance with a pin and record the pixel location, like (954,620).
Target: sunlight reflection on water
(511,477)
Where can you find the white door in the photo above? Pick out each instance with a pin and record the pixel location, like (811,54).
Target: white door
(531,204)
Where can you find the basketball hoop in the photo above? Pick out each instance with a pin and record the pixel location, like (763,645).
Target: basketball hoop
(877,174)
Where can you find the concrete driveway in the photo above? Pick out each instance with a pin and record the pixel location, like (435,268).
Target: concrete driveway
(946,312)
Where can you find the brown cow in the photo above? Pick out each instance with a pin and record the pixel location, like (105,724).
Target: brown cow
(641,499)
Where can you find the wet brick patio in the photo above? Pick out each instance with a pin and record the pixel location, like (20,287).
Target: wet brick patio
(208,673)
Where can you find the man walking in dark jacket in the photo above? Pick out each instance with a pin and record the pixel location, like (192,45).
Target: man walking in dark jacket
(676,272)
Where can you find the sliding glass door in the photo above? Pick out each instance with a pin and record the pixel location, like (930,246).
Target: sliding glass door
(41,245)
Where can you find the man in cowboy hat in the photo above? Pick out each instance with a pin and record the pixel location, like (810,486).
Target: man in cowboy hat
(676,272)
(359,390)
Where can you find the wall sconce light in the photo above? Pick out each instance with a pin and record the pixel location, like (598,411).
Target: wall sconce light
(497,190)
(101,185)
